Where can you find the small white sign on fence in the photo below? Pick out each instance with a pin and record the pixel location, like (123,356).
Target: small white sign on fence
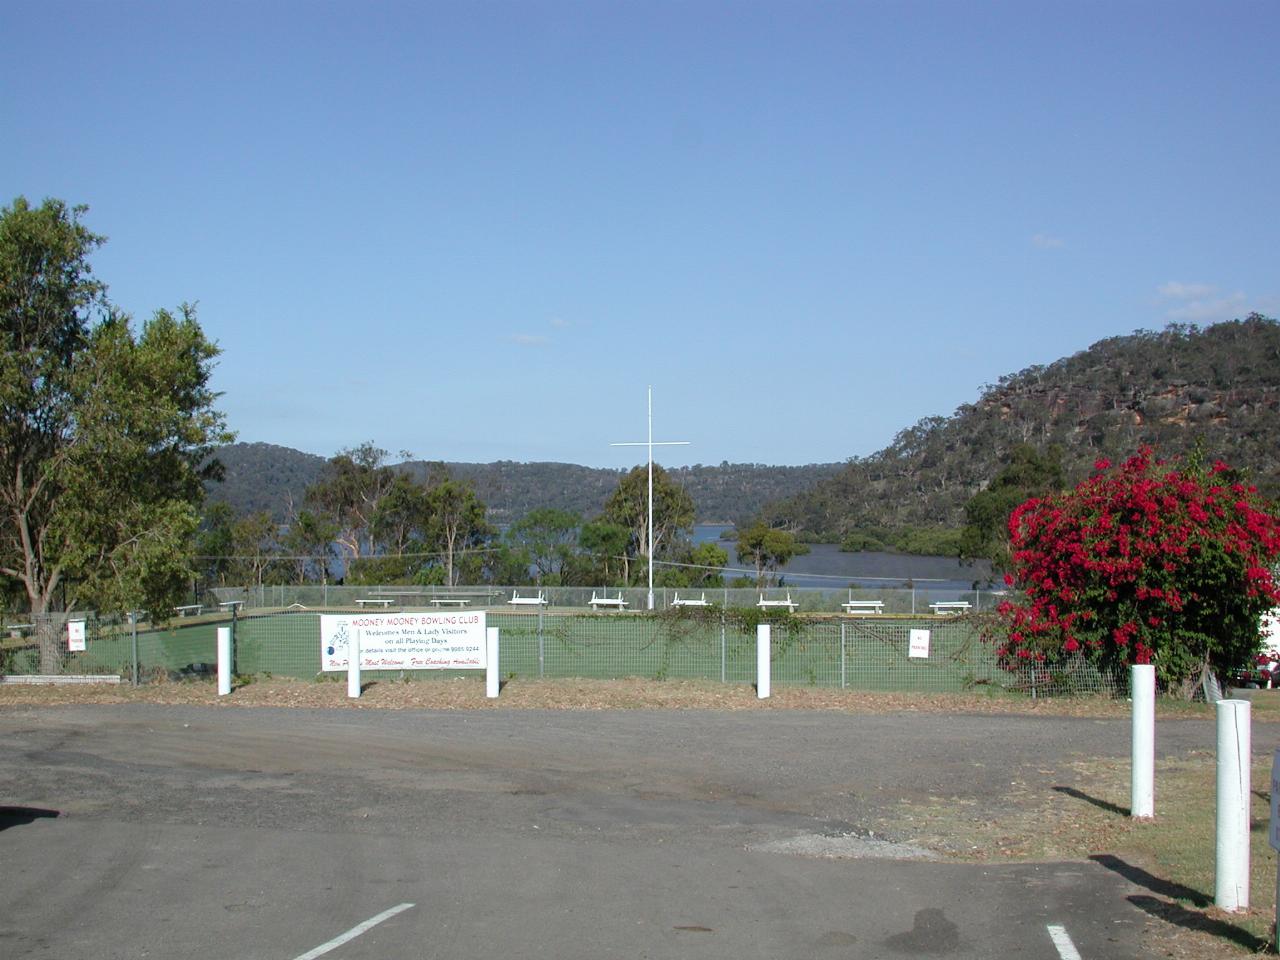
(919,644)
(406,641)
(75,636)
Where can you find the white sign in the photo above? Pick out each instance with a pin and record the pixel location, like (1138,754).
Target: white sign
(1275,802)
(406,641)
(75,636)
(919,646)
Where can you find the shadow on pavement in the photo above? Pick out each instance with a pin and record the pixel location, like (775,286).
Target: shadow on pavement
(1106,805)
(1157,885)
(21,816)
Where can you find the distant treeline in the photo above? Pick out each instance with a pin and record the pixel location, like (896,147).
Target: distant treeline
(262,477)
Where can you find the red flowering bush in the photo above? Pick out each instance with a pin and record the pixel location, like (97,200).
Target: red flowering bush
(1150,562)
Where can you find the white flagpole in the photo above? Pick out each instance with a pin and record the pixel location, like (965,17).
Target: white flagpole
(651,443)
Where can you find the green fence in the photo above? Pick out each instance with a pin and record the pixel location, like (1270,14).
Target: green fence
(853,652)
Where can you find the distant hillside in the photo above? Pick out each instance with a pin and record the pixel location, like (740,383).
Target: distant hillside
(1218,386)
(263,476)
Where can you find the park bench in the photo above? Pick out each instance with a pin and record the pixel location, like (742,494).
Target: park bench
(189,610)
(700,602)
(951,606)
(519,601)
(863,606)
(384,602)
(231,605)
(617,603)
(770,604)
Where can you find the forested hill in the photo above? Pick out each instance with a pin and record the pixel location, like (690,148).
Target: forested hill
(1218,386)
(263,476)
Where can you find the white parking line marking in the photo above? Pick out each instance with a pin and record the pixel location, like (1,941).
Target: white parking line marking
(1066,949)
(354,932)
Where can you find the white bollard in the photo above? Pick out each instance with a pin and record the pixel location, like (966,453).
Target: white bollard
(353,666)
(1142,780)
(763,665)
(491,682)
(1235,744)
(224,661)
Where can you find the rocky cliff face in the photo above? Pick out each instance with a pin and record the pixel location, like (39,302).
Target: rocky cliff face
(1174,390)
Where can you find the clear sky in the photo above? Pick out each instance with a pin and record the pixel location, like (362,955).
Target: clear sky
(478,230)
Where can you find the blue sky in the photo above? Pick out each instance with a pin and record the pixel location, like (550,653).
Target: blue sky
(478,231)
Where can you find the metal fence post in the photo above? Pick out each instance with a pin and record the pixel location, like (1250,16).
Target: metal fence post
(541,646)
(133,623)
(722,646)
(842,663)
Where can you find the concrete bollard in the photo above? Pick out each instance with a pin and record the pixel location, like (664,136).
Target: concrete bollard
(1142,781)
(763,663)
(224,661)
(1231,866)
(491,680)
(353,666)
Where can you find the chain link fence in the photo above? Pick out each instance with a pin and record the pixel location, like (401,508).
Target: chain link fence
(919,599)
(862,652)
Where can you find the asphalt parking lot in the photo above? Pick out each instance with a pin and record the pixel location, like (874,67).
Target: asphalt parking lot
(195,832)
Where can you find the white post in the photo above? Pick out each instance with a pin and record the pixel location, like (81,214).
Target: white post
(353,666)
(1273,834)
(650,606)
(1231,886)
(491,684)
(763,666)
(1142,793)
(224,661)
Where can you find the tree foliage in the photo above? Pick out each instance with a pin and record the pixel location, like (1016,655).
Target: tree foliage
(1149,562)
(1028,473)
(767,549)
(628,506)
(105,433)
(548,536)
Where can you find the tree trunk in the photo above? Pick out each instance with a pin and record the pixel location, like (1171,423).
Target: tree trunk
(49,639)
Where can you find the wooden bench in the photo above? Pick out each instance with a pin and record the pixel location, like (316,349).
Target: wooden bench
(519,601)
(617,603)
(769,604)
(189,610)
(951,606)
(369,601)
(863,606)
(701,602)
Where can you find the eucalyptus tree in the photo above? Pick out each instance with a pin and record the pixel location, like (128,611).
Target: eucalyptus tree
(766,549)
(549,535)
(348,495)
(628,506)
(105,432)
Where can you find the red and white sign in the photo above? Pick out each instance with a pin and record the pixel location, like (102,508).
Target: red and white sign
(919,644)
(76,636)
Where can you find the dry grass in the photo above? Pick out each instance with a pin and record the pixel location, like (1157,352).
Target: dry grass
(628,694)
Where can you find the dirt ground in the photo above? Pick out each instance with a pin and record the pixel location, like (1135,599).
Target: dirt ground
(628,694)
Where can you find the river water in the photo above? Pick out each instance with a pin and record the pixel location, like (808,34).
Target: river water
(825,565)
